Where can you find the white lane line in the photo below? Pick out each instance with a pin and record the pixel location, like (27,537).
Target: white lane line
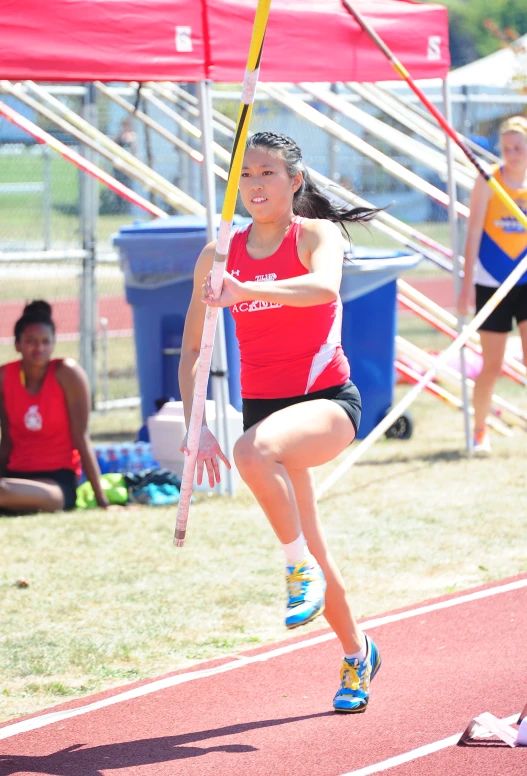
(415,754)
(172,681)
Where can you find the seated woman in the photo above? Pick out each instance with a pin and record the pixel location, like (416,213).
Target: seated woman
(44,410)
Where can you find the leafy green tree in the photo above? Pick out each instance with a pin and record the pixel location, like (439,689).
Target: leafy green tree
(480,27)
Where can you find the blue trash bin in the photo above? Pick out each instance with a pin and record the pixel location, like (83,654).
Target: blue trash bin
(369,326)
(158,258)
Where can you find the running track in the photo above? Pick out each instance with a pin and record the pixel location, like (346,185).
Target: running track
(119,313)
(268,712)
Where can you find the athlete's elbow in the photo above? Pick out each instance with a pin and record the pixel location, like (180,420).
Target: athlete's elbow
(328,294)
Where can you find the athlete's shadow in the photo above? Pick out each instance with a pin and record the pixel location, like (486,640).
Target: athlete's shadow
(97,760)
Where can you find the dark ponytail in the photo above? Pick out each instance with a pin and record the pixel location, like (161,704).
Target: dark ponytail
(37,311)
(308,201)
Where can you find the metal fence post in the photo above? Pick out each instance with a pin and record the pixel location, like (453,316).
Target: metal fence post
(46,198)
(89,207)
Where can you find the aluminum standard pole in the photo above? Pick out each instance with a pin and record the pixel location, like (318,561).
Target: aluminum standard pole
(89,200)
(457,271)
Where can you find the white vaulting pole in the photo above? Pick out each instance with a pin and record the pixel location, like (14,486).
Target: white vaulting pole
(220,258)
(220,387)
(443,359)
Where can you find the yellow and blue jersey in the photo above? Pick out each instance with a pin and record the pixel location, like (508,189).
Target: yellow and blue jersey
(504,239)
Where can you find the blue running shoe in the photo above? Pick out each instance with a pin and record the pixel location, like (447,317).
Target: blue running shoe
(355,677)
(306,588)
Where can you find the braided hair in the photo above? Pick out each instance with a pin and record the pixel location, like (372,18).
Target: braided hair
(308,200)
(37,311)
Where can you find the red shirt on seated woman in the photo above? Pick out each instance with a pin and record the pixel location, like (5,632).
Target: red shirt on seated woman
(44,411)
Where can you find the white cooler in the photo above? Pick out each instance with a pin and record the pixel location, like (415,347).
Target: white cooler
(167,430)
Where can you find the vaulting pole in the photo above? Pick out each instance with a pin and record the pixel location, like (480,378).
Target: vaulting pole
(220,258)
(500,192)
(479,318)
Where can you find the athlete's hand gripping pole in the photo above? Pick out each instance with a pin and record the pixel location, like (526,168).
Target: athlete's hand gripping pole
(218,268)
(500,192)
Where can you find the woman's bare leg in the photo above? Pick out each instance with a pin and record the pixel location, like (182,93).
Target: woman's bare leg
(338,611)
(297,437)
(30,495)
(523,334)
(493,347)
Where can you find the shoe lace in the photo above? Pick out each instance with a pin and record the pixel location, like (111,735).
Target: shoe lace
(352,676)
(296,580)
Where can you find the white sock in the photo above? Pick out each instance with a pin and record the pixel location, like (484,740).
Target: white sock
(361,654)
(295,552)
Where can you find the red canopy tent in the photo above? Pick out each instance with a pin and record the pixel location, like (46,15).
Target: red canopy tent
(208,40)
(194,40)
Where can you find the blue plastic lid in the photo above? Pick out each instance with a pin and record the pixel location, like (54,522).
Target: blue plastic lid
(361,252)
(174,224)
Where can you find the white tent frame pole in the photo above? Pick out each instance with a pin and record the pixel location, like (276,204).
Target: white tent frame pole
(89,206)
(457,271)
(219,366)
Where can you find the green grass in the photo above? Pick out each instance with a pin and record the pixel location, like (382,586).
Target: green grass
(22,215)
(110,600)
(57,287)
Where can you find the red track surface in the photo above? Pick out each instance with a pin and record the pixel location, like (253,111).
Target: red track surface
(119,313)
(66,314)
(274,718)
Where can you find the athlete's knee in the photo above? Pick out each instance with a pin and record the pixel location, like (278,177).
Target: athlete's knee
(250,455)
(491,369)
(4,489)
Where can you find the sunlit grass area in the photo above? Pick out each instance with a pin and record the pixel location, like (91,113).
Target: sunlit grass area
(110,600)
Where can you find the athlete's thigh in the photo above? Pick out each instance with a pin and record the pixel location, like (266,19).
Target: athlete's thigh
(493,345)
(30,495)
(304,435)
(522,326)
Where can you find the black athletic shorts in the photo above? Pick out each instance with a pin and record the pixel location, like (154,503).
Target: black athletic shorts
(347,396)
(66,479)
(514,305)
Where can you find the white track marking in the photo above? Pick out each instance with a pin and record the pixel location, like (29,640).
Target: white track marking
(414,754)
(172,681)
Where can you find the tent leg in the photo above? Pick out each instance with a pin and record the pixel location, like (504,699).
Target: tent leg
(453,220)
(219,374)
(89,206)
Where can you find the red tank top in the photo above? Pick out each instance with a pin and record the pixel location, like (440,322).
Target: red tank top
(284,351)
(38,424)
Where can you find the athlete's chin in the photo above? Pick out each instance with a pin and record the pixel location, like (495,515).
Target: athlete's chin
(262,213)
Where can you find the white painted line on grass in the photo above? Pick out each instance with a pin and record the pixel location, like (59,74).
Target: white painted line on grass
(172,681)
(415,754)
